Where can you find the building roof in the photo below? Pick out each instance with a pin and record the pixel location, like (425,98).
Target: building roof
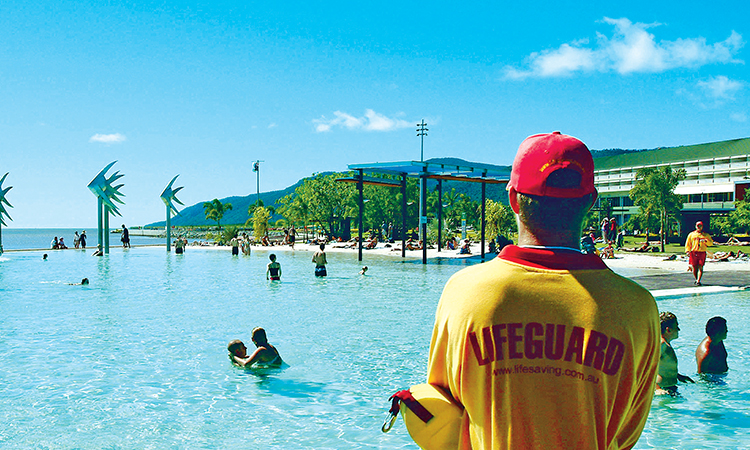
(441,168)
(675,154)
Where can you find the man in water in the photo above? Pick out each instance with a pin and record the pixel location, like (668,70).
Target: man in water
(711,355)
(274,269)
(125,238)
(545,347)
(319,258)
(265,354)
(696,246)
(666,380)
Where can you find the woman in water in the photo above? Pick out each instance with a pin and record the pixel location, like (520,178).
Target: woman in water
(265,354)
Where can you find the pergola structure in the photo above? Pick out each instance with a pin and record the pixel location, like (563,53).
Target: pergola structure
(424,170)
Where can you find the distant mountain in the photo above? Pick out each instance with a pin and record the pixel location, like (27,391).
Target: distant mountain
(195,216)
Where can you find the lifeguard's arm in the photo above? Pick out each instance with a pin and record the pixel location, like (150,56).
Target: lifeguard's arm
(438,370)
(689,243)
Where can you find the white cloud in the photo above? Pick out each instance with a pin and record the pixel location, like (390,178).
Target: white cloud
(115,138)
(630,49)
(372,121)
(272,125)
(739,117)
(720,88)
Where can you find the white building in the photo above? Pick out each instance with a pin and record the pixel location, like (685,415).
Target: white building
(718,174)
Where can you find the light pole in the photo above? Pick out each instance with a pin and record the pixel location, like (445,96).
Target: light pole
(256,169)
(422,132)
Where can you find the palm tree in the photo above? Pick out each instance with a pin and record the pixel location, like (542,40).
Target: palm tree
(654,194)
(215,210)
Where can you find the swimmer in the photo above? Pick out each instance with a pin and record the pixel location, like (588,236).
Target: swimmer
(44,257)
(711,355)
(320,260)
(363,271)
(265,354)
(98,251)
(274,269)
(84,282)
(667,378)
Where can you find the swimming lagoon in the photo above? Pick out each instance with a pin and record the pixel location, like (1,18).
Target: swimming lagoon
(138,358)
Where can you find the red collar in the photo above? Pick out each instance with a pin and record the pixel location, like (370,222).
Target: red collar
(551,259)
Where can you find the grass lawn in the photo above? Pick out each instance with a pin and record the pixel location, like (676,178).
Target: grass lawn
(633,241)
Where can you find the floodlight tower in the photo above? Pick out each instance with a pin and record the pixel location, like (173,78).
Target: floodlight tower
(256,169)
(421,133)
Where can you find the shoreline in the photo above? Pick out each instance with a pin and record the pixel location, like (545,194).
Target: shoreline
(651,263)
(663,277)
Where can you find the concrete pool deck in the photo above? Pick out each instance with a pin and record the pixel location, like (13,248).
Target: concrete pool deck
(666,278)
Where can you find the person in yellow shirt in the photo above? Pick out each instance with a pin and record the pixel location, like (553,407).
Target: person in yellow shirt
(544,346)
(695,246)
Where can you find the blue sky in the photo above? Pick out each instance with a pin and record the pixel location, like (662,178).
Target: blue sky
(202,89)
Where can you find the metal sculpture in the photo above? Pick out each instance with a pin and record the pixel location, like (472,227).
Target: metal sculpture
(167,197)
(106,195)
(3,211)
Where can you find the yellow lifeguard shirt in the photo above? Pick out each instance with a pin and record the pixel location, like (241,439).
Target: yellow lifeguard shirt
(698,241)
(546,349)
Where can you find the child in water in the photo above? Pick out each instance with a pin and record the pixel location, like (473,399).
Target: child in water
(265,354)
(274,269)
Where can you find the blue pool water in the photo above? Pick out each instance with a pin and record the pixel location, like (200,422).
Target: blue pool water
(138,358)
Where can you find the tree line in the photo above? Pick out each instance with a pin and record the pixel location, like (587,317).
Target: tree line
(331,207)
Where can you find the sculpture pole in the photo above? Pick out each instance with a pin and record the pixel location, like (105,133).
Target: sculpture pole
(106,193)
(3,211)
(169,229)
(100,223)
(106,229)
(168,196)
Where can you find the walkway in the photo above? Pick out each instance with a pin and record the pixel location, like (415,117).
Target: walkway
(681,283)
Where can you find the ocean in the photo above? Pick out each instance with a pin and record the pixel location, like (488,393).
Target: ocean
(41,238)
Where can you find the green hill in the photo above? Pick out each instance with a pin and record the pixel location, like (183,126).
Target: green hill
(195,216)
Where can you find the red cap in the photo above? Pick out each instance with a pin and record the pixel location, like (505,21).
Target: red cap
(541,154)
